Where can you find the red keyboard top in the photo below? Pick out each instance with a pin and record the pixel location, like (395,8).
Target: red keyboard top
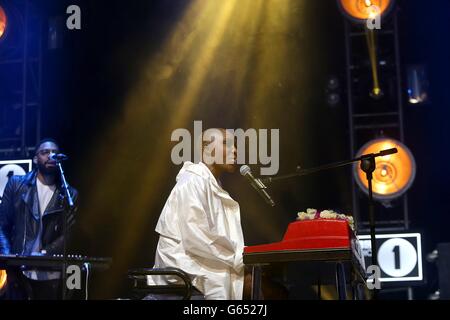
(310,235)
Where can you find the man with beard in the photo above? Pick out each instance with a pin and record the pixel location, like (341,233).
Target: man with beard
(31,223)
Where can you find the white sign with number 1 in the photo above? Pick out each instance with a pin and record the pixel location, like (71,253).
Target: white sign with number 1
(399,256)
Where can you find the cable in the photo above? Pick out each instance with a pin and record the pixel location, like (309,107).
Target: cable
(87,266)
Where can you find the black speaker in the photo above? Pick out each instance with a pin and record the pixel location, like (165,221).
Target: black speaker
(443,264)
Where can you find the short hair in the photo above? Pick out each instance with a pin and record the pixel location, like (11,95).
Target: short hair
(38,145)
(201,144)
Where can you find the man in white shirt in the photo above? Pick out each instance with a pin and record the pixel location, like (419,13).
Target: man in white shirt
(31,223)
(200,225)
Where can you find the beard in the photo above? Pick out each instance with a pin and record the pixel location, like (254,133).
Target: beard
(229,168)
(51,171)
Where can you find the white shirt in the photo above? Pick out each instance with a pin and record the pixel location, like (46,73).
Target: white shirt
(45,194)
(200,233)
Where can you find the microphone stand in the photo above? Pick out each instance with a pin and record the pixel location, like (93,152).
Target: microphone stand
(69,202)
(368,165)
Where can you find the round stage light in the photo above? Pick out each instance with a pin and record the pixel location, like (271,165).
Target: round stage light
(394,174)
(361,10)
(3,22)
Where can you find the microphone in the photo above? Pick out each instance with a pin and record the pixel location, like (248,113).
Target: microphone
(388,152)
(257,184)
(58,157)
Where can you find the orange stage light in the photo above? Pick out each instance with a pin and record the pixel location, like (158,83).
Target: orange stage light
(3,22)
(2,280)
(361,10)
(394,174)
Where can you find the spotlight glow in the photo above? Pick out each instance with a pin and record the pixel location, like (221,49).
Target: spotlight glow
(361,10)
(2,280)
(3,22)
(394,174)
(237,48)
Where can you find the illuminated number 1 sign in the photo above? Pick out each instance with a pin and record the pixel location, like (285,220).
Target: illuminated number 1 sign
(9,168)
(399,256)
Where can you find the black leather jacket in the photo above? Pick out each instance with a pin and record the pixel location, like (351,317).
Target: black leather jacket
(20,217)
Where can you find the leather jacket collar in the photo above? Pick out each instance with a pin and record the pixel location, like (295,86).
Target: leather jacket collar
(31,199)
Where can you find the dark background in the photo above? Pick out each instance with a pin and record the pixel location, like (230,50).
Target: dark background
(88,81)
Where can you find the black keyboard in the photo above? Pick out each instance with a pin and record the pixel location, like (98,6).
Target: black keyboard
(53,261)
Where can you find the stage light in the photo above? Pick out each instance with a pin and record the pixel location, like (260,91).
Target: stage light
(366,12)
(3,22)
(2,280)
(332,91)
(360,11)
(418,85)
(394,174)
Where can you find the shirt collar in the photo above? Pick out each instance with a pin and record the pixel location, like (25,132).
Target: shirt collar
(202,170)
